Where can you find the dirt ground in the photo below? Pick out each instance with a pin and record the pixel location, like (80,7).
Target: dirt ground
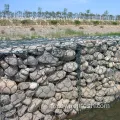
(43,31)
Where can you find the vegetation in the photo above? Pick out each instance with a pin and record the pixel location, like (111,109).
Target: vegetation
(77,22)
(65,14)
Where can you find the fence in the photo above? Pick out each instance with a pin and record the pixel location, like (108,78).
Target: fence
(57,79)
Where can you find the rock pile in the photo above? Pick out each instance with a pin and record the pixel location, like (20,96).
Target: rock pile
(43,82)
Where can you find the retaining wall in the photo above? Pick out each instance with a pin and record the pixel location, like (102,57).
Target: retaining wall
(55,80)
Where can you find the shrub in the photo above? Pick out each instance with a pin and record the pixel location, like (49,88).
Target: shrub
(27,22)
(114,23)
(32,29)
(5,22)
(54,22)
(16,22)
(101,26)
(77,22)
(81,27)
(2,32)
(95,23)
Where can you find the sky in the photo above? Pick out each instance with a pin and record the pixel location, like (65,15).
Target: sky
(95,6)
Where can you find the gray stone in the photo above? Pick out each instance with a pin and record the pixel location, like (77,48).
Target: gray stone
(27,101)
(47,58)
(38,115)
(57,52)
(57,76)
(48,117)
(20,77)
(64,86)
(42,79)
(18,105)
(11,71)
(58,111)
(87,92)
(70,95)
(98,55)
(7,107)
(22,110)
(32,61)
(70,66)
(36,74)
(84,66)
(25,71)
(34,105)
(10,113)
(49,70)
(62,103)
(3,64)
(23,85)
(100,69)
(33,85)
(18,97)
(99,98)
(89,57)
(11,60)
(1,72)
(26,116)
(5,99)
(45,91)
(48,106)
(58,96)
(69,55)
(30,93)
(108,99)
(68,108)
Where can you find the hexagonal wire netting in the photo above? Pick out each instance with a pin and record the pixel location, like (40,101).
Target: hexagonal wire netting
(57,81)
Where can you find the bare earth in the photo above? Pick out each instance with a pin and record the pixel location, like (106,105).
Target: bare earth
(15,32)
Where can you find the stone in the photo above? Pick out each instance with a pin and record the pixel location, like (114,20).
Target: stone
(1,72)
(64,86)
(57,52)
(70,66)
(58,111)
(14,118)
(18,105)
(49,70)
(87,102)
(117,76)
(3,64)
(22,110)
(10,113)
(100,69)
(69,55)
(11,71)
(5,99)
(7,107)
(98,55)
(48,106)
(45,91)
(33,85)
(57,76)
(47,58)
(84,66)
(99,98)
(25,71)
(101,92)
(7,86)
(70,95)
(68,108)
(11,60)
(62,103)
(27,101)
(89,57)
(87,92)
(32,61)
(38,115)
(20,77)
(42,79)
(48,117)
(36,75)
(30,93)
(108,99)
(58,96)
(18,97)
(34,105)
(23,85)
(26,116)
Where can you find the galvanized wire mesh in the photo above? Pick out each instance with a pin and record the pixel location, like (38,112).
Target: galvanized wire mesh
(55,81)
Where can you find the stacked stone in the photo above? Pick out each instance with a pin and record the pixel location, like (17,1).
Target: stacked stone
(39,83)
(100,73)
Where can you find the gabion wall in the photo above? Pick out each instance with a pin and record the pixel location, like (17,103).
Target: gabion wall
(53,81)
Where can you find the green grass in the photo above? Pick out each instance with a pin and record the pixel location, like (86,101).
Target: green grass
(108,34)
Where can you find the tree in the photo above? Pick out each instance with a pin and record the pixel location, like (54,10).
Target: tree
(39,12)
(6,10)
